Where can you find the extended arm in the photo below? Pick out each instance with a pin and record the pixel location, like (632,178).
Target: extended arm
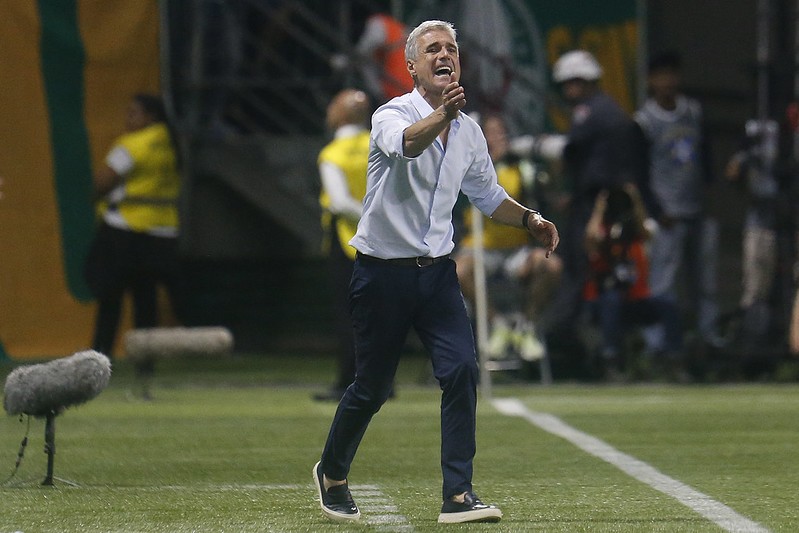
(421,134)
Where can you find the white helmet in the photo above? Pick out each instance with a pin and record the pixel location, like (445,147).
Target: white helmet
(576,64)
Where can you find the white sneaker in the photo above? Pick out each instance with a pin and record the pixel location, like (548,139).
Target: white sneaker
(500,338)
(527,342)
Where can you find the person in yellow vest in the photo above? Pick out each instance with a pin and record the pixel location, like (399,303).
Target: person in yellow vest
(342,168)
(509,253)
(135,246)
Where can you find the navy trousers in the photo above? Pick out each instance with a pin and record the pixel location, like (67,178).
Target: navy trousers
(386,300)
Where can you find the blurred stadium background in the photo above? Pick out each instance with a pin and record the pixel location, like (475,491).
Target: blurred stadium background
(247,82)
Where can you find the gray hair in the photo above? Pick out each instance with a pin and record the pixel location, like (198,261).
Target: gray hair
(412,45)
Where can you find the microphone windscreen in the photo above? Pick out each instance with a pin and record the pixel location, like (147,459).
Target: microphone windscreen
(155,343)
(51,387)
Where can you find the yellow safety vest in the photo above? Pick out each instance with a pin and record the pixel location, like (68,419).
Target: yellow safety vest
(153,184)
(351,155)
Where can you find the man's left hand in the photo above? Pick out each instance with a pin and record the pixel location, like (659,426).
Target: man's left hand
(544,231)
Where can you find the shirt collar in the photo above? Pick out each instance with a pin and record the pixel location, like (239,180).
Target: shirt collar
(421,105)
(669,114)
(348,130)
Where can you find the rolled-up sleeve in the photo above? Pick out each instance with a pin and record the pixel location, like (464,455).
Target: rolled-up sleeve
(480,184)
(388,125)
(120,160)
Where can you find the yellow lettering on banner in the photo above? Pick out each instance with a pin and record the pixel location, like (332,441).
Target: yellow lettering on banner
(614,46)
(559,41)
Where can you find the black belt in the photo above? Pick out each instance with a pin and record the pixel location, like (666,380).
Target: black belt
(405,261)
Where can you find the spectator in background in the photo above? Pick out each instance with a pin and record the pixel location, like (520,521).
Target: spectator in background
(380,58)
(617,287)
(342,168)
(598,152)
(686,240)
(135,246)
(754,167)
(509,253)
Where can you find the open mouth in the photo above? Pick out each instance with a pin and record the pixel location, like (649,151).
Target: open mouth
(443,71)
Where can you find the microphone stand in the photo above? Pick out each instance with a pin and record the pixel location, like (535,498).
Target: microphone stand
(49,449)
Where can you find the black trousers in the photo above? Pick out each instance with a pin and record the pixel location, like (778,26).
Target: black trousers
(386,301)
(120,261)
(340,274)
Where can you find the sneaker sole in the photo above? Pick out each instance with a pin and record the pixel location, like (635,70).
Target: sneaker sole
(483,515)
(333,515)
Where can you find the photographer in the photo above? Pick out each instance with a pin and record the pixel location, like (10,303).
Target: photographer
(617,288)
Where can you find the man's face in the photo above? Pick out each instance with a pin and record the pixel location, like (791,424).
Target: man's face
(664,83)
(496,137)
(437,60)
(136,117)
(574,90)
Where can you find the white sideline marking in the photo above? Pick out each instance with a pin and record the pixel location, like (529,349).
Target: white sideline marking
(717,512)
(224,487)
(378,510)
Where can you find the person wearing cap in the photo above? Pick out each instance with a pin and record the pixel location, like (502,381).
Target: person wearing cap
(599,151)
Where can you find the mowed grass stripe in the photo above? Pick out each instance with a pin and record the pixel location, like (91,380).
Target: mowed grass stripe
(715,511)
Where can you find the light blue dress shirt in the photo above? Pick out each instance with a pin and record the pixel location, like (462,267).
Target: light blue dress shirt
(407,210)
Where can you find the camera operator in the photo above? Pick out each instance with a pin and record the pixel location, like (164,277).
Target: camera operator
(617,288)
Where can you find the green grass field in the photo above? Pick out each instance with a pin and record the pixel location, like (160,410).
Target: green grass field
(229,446)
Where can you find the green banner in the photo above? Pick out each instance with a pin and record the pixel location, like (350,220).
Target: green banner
(63,61)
